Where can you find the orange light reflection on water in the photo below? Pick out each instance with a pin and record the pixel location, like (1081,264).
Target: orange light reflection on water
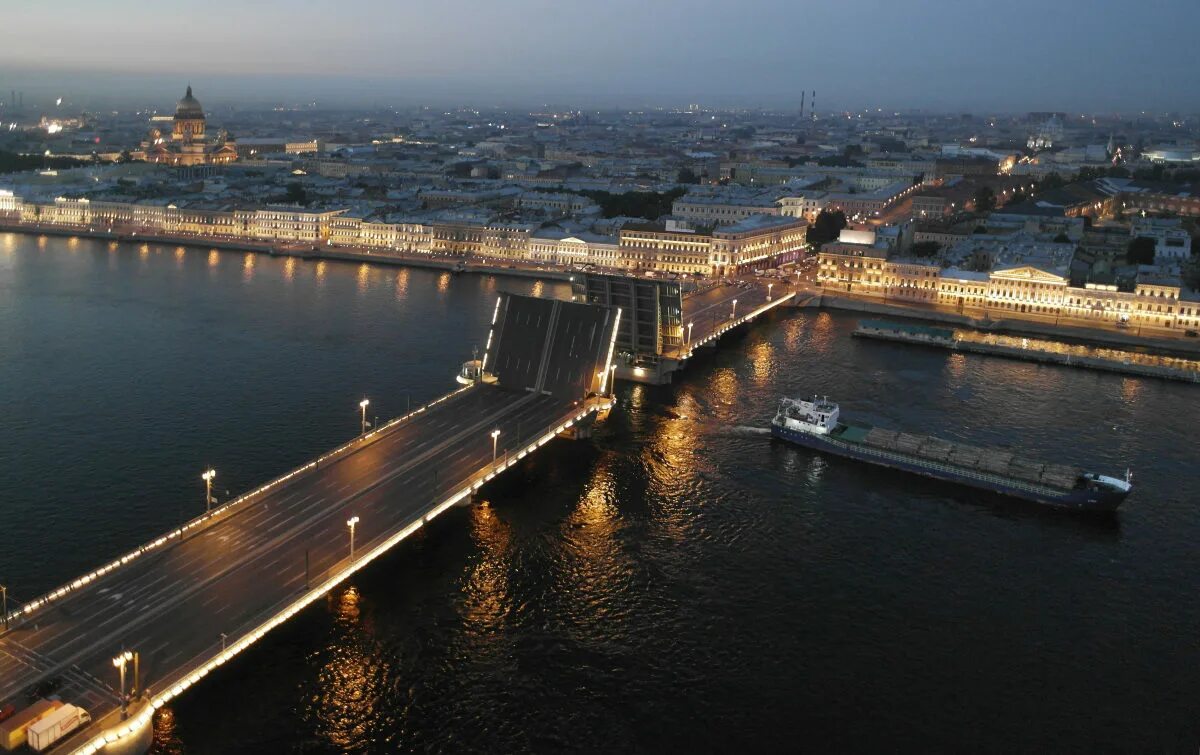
(350,679)
(487,599)
(402,284)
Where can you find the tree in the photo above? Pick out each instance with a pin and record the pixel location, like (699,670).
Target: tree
(852,150)
(826,227)
(295,194)
(1140,251)
(687,176)
(985,199)
(1062,238)
(980,229)
(927,249)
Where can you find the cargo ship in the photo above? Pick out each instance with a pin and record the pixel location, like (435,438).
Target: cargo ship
(816,424)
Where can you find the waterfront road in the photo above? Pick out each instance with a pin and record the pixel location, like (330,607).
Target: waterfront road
(173,604)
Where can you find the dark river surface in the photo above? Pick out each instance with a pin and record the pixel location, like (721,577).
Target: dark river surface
(677,583)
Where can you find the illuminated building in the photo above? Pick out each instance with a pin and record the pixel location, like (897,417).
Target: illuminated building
(188,143)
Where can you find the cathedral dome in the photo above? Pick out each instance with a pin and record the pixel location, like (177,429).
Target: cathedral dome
(189,107)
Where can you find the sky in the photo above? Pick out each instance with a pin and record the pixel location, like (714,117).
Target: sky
(943,55)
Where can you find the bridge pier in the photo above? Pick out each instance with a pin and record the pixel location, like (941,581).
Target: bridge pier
(140,734)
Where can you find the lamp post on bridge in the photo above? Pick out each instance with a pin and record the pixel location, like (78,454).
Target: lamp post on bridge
(351,522)
(690,336)
(495,437)
(120,662)
(733,313)
(769,287)
(208,476)
(363,406)
(4,604)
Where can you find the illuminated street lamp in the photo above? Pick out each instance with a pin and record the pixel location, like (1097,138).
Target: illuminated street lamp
(350,523)
(733,314)
(120,661)
(769,287)
(208,476)
(690,335)
(363,406)
(495,437)
(4,605)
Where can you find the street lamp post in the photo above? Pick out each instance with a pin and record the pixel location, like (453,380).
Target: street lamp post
(733,314)
(120,662)
(690,336)
(769,286)
(363,406)
(350,523)
(4,603)
(208,476)
(495,437)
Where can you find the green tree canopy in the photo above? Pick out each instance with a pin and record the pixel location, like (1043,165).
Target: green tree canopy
(826,227)
(1140,251)
(926,249)
(985,199)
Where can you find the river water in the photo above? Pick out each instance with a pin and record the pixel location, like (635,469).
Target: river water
(679,582)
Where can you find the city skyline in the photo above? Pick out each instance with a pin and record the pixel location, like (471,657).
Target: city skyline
(961,56)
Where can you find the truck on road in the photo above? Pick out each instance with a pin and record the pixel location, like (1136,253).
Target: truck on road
(55,726)
(12,729)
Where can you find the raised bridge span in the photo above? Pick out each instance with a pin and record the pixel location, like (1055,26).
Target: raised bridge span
(196,596)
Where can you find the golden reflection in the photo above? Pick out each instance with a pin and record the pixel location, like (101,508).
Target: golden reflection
(248,267)
(956,365)
(144,251)
(73,243)
(1131,390)
(180,252)
(824,332)
(41,242)
(364,277)
(214,258)
(762,362)
(165,734)
(596,565)
(320,272)
(487,599)
(289,269)
(443,282)
(723,388)
(351,677)
(113,246)
(538,289)
(402,284)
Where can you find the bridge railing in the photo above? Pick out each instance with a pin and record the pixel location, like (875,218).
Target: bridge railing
(199,523)
(254,629)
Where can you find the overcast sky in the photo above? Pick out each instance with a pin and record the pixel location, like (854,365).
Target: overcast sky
(1013,55)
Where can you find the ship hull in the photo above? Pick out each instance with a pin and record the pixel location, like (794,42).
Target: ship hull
(1076,500)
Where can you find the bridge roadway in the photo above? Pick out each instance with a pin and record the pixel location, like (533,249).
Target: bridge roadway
(712,312)
(173,605)
(244,570)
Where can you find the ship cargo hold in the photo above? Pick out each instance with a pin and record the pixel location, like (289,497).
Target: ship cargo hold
(816,424)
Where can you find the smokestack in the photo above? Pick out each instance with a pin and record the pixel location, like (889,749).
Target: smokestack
(814,105)
(802,104)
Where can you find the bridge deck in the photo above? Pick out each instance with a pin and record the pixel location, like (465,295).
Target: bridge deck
(173,605)
(245,567)
(712,312)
